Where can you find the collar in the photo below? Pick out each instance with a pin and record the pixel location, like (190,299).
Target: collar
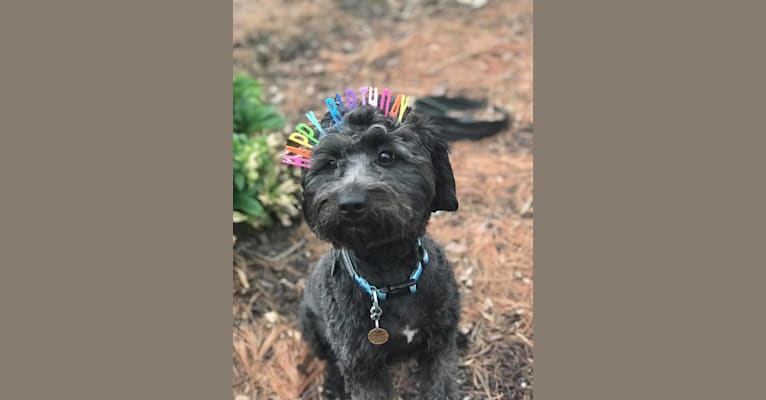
(383,292)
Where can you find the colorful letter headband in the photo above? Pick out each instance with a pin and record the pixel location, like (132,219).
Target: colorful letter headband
(300,142)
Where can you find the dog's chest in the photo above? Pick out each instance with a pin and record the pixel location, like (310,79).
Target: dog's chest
(405,325)
(403,340)
(403,332)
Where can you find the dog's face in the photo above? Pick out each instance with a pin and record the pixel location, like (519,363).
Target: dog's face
(372,182)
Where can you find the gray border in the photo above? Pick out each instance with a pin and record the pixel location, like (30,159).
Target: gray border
(116,172)
(649,199)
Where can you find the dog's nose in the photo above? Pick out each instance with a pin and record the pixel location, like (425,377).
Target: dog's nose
(352,205)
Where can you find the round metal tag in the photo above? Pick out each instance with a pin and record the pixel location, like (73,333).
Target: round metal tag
(377,336)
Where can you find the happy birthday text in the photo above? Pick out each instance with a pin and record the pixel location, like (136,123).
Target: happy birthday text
(304,138)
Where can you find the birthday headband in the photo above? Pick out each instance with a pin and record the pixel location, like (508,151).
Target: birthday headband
(302,141)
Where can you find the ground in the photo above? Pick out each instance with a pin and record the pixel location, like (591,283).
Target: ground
(306,50)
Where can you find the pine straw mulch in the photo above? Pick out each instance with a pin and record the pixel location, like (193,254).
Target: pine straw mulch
(304,49)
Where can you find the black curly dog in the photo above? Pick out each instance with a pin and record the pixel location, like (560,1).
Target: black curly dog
(370,190)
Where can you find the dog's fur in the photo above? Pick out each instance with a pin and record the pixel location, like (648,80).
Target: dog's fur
(400,196)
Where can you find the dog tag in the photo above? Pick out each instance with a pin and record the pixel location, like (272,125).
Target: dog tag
(377,336)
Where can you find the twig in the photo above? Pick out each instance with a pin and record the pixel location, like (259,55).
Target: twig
(459,57)
(283,254)
(468,54)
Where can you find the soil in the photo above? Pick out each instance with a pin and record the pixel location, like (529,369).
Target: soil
(305,50)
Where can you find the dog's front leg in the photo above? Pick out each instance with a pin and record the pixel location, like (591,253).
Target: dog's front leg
(368,382)
(438,369)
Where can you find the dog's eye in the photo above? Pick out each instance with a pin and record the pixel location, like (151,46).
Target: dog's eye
(332,164)
(385,157)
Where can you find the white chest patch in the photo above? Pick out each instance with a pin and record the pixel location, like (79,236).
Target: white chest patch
(410,333)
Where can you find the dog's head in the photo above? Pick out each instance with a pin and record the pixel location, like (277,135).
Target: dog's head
(373,181)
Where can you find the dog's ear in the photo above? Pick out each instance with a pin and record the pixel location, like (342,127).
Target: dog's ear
(445,197)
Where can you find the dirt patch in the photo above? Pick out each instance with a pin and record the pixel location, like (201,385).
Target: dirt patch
(303,50)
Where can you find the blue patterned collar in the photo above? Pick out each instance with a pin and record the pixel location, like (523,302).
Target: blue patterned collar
(383,292)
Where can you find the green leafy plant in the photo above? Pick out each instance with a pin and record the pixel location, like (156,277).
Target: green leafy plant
(251,115)
(265,190)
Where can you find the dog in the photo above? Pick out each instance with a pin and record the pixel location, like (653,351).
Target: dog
(370,191)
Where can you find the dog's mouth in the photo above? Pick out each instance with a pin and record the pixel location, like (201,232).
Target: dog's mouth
(355,231)
(367,233)
(382,221)
(354,224)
